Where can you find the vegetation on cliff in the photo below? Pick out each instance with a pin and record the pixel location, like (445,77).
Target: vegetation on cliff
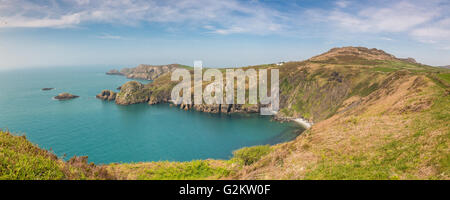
(22,160)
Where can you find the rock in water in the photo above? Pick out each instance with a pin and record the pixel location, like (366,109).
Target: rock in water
(65,96)
(107,95)
(46,89)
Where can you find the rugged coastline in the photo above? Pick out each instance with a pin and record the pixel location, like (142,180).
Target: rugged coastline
(375,117)
(308,90)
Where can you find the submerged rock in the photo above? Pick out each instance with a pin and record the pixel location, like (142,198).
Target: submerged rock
(66,96)
(107,95)
(47,89)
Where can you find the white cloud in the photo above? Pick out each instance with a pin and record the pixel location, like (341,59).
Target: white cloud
(423,21)
(26,22)
(395,17)
(387,38)
(432,32)
(231,16)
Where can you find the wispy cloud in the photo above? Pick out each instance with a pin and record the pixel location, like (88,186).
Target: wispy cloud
(110,37)
(424,21)
(342,3)
(231,16)
(397,17)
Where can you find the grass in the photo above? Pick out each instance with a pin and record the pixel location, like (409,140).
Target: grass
(445,77)
(21,160)
(192,170)
(384,69)
(249,155)
(185,171)
(420,152)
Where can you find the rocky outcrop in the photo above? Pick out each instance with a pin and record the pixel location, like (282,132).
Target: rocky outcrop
(352,54)
(145,72)
(222,108)
(107,95)
(47,89)
(65,96)
(132,92)
(410,60)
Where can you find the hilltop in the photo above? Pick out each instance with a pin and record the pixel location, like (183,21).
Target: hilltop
(375,117)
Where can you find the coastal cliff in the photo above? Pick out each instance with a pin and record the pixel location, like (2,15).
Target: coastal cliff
(314,89)
(145,72)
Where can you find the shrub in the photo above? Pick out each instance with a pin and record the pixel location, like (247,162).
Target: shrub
(249,155)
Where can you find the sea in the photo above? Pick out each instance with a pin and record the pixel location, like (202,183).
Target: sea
(111,133)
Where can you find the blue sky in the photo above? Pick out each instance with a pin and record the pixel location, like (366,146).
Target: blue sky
(222,33)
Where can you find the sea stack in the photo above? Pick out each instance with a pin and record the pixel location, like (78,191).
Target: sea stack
(65,96)
(107,95)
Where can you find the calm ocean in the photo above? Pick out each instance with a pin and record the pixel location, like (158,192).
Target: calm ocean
(108,133)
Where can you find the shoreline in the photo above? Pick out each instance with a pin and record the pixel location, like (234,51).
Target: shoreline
(303,122)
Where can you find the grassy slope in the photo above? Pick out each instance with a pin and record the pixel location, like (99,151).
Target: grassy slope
(22,160)
(400,131)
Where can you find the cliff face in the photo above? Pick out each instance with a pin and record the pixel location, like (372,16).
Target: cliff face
(398,131)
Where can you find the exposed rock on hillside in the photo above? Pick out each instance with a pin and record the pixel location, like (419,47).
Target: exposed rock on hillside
(349,53)
(65,96)
(410,60)
(107,95)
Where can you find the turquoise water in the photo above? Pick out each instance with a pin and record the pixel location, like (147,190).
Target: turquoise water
(107,132)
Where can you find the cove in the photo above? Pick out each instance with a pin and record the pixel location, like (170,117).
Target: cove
(108,133)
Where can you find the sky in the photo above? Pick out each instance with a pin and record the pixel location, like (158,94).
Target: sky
(221,33)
